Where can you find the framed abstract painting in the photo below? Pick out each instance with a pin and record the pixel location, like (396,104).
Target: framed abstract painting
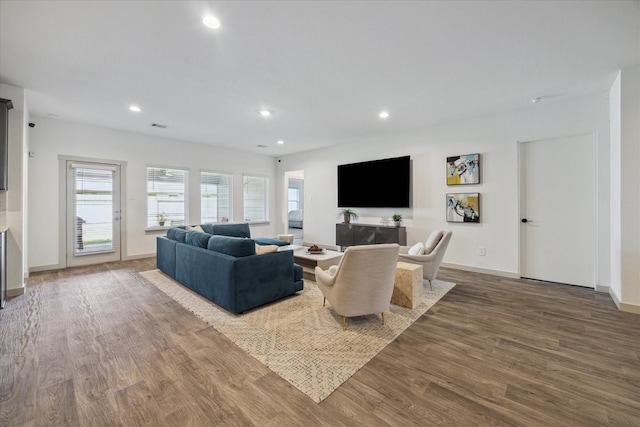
(463,207)
(464,169)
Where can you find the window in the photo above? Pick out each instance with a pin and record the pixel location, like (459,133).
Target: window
(95,207)
(255,198)
(166,196)
(215,197)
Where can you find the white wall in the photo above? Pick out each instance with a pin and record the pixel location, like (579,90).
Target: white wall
(14,203)
(496,138)
(615,114)
(625,189)
(52,138)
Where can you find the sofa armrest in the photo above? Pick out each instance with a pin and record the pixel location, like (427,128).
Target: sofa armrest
(263,278)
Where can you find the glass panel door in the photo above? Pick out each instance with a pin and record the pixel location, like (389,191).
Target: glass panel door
(93,213)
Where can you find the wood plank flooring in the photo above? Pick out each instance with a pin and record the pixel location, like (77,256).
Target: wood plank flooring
(100,346)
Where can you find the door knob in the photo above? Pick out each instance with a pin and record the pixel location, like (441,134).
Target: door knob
(525,220)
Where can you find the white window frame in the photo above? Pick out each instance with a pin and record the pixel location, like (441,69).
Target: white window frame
(173,215)
(229,214)
(254,203)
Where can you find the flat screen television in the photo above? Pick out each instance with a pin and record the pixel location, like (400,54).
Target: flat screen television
(384,183)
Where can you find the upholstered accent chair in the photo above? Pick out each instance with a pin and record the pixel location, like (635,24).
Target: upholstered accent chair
(430,256)
(362,283)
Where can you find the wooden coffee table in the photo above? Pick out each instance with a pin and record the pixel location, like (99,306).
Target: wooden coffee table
(309,261)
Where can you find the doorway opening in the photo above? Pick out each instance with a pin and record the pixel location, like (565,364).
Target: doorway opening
(294,224)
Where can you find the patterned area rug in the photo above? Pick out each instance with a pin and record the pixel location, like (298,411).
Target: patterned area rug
(299,339)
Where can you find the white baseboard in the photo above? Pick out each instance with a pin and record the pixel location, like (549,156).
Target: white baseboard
(629,308)
(39,268)
(53,267)
(15,292)
(481,270)
(623,306)
(139,256)
(614,297)
(603,288)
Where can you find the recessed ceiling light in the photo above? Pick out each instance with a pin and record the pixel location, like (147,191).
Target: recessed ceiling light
(280,142)
(383,114)
(535,100)
(265,113)
(135,108)
(211,22)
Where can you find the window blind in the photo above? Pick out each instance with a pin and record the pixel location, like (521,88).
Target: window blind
(215,197)
(255,198)
(166,196)
(93,205)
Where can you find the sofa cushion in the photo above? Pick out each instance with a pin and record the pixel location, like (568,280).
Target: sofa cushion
(270,241)
(234,246)
(265,249)
(177,234)
(196,238)
(208,228)
(234,230)
(195,228)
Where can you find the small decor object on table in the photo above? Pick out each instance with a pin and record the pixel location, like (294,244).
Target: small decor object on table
(463,207)
(397,219)
(347,214)
(385,220)
(463,169)
(315,249)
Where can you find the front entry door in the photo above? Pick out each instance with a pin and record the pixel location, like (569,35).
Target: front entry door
(558,210)
(93,213)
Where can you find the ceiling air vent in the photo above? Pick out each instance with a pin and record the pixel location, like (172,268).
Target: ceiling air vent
(262,146)
(158,125)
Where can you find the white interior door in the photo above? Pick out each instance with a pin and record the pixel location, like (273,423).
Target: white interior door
(558,210)
(93,213)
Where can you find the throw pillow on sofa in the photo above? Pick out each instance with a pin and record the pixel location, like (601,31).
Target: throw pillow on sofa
(196,228)
(265,249)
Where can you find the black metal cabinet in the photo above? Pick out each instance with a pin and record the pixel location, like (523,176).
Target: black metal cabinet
(362,234)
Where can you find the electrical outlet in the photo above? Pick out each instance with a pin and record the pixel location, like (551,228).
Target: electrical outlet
(482,251)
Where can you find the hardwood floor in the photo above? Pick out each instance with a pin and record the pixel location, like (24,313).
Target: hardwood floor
(100,346)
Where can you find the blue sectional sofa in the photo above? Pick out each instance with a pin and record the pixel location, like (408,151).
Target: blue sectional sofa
(225,268)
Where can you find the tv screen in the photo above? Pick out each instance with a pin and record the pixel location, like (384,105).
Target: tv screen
(384,183)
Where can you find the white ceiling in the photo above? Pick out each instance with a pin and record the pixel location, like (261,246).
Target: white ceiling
(325,68)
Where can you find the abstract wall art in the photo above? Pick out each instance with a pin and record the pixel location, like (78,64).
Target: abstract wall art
(464,169)
(463,207)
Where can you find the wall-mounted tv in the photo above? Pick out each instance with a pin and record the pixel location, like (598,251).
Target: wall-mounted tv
(384,183)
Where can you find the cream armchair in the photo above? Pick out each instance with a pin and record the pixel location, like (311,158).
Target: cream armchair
(362,283)
(434,249)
